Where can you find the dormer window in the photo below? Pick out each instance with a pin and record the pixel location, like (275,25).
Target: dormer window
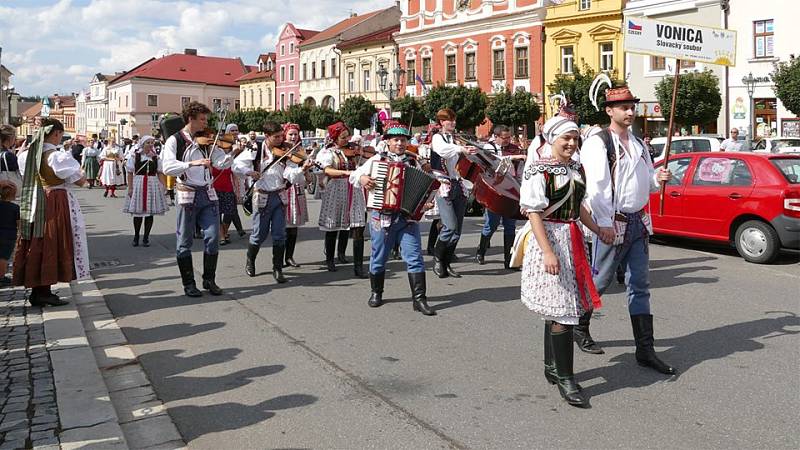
(261,67)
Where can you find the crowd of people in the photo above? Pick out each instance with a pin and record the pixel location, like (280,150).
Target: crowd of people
(583,196)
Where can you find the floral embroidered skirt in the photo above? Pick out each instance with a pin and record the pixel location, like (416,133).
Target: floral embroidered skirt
(343,206)
(296,207)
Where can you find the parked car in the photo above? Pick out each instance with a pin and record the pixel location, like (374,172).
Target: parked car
(685,144)
(749,199)
(777,145)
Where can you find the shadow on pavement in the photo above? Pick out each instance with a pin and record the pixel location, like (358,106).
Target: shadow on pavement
(138,336)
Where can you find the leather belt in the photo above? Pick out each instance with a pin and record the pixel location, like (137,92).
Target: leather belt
(623,217)
(262,191)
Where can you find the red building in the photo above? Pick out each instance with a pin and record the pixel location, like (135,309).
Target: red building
(287,65)
(479,43)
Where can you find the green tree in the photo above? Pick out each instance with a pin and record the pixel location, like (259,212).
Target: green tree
(301,115)
(469,104)
(356,112)
(575,87)
(699,100)
(513,109)
(322,117)
(410,107)
(239,118)
(254,119)
(786,77)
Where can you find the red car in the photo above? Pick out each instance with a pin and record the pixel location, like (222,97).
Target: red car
(749,199)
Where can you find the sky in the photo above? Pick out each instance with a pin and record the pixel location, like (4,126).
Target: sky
(56,46)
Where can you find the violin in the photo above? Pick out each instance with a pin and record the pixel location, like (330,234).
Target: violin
(206,137)
(295,155)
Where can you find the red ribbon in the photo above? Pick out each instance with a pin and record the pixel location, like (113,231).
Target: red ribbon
(583,272)
(144,193)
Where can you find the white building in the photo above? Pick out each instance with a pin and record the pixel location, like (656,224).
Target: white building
(645,71)
(767,33)
(80,113)
(97,106)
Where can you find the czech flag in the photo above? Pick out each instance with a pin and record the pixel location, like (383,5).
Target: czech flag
(634,27)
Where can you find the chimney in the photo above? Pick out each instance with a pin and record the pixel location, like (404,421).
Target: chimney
(190,51)
(353,14)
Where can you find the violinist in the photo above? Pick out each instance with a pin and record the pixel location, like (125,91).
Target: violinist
(343,205)
(272,171)
(296,206)
(452,201)
(191,163)
(386,229)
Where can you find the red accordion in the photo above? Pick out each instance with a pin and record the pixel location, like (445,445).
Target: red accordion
(400,188)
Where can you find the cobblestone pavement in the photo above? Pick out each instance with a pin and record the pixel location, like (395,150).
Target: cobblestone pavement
(29,415)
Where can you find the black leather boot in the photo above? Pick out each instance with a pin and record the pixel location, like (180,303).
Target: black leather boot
(210,274)
(451,253)
(508,244)
(341,248)
(563,356)
(376,283)
(330,250)
(291,241)
(549,366)
(433,235)
(187,276)
(480,256)
(420,301)
(358,258)
(583,338)
(278,252)
(250,265)
(440,259)
(43,296)
(645,354)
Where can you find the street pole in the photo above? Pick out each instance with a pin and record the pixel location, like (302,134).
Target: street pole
(669,133)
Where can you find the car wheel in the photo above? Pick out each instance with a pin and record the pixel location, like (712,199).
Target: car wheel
(757,242)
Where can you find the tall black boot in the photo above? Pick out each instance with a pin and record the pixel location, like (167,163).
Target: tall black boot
(330,250)
(187,276)
(291,242)
(420,301)
(451,253)
(148,226)
(376,283)
(563,356)
(645,354)
(210,274)
(440,259)
(341,248)
(137,226)
(583,338)
(549,366)
(358,258)
(433,236)
(508,244)
(278,252)
(43,296)
(480,256)
(250,265)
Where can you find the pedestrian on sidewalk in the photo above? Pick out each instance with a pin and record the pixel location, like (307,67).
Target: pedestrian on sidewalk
(52,247)
(146,182)
(9,224)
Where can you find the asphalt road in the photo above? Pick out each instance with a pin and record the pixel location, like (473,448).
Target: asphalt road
(308,365)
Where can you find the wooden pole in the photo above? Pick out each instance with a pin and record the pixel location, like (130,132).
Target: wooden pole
(668,146)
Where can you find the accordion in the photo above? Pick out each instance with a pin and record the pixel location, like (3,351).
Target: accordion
(400,188)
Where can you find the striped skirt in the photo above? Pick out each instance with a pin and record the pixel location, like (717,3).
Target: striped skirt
(297,207)
(147,197)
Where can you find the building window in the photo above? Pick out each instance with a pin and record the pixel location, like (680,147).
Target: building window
(260,98)
(411,72)
(322,69)
(283,74)
(126,101)
(606,56)
(304,75)
(426,70)
(685,64)
(499,64)
(313,70)
(658,63)
(291,48)
(283,101)
(260,66)
(269,96)
(217,104)
(584,5)
(351,81)
(291,98)
(450,68)
(236,105)
(252,98)
(185,101)
(283,50)
(366,80)
(291,72)
(469,66)
(763,38)
(522,62)
(567,58)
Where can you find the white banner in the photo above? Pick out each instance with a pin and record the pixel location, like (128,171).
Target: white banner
(680,41)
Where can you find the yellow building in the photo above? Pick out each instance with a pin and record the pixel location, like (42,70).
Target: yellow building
(363,60)
(582,32)
(257,87)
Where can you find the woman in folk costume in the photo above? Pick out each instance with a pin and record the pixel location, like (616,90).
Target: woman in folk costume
(556,275)
(343,205)
(225,181)
(89,161)
(52,246)
(296,206)
(110,173)
(146,193)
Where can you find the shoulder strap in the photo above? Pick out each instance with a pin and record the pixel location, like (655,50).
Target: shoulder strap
(611,154)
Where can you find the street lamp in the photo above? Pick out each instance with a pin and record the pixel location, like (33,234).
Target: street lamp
(750,82)
(393,88)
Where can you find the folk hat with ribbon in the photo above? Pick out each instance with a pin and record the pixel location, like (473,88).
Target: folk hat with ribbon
(290,126)
(335,130)
(620,94)
(396,129)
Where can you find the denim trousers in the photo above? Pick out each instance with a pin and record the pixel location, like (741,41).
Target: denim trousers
(203,212)
(383,239)
(451,213)
(272,216)
(491,221)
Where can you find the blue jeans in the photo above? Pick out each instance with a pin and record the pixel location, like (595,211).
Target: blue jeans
(203,212)
(634,256)
(451,214)
(383,239)
(271,216)
(491,221)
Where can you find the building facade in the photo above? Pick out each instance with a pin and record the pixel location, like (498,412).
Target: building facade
(766,34)
(583,32)
(363,59)
(257,87)
(645,71)
(287,72)
(5,95)
(80,114)
(138,98)
(320,58)
(97,105)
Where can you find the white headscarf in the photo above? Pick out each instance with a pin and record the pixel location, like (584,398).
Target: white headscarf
(231,127)
(556,126)
(143,140)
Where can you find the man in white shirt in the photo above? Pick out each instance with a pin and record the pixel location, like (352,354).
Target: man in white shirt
(619,179)
(453,205)
(732,144)
(191,164)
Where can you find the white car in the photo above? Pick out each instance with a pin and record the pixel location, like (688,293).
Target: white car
(685,144)
(777,145)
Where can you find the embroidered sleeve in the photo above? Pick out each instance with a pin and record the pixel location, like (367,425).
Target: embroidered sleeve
(533,194)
